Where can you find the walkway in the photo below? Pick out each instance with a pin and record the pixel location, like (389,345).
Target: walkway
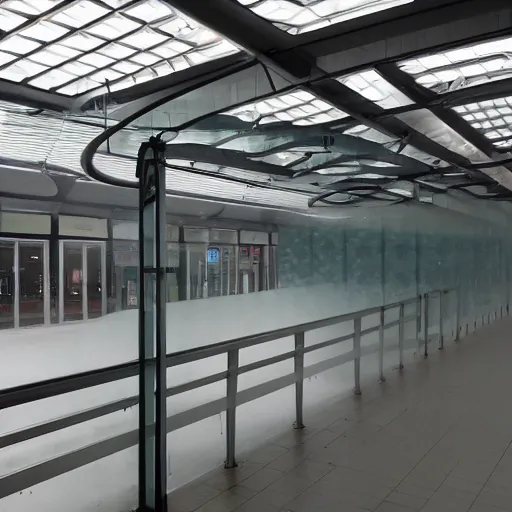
(437,439)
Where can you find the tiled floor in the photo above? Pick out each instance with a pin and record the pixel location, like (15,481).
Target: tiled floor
(436,439)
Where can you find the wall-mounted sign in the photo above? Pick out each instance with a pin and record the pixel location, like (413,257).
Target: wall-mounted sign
(213,255)
(82,227)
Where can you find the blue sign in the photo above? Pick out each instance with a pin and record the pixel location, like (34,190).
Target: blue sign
(213,255)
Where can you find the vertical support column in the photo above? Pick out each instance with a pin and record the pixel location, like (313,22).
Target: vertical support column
(231,392)
(152,328)
(440,345)
(357,356)
(299,384)
(381,344)
(426,304)
(401,329)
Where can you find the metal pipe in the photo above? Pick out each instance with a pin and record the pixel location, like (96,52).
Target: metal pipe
(299,385)
(231,392)
(357,355)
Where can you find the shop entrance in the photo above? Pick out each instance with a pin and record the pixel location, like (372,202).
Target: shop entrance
(24,283)
(82,280)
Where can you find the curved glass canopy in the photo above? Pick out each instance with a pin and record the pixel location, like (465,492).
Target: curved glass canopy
(248,113)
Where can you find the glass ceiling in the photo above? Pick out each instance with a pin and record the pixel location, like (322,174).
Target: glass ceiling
(375,88)
(299,16)
(75,47)
(462,67)
(253,135)
(298,107)
(493,118)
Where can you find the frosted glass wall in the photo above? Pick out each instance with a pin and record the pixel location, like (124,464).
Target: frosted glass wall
(382,260)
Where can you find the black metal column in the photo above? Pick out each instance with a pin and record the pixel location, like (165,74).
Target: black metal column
(152,335)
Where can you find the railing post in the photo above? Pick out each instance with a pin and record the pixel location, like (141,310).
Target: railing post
(357,355)
(231,392)
(440,345)
(299,384)
(401,337)
(457,317)
(381,345)
(418,320)
(426,298)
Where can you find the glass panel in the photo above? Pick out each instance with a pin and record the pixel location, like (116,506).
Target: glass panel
(196,272)
(72,286)
(31,268)
(6,285)
(94,292)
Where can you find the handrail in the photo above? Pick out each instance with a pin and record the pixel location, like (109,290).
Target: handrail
(25,393)
(38,473)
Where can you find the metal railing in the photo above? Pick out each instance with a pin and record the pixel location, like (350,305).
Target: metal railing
(28,477)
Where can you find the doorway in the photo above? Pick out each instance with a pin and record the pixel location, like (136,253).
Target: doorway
(82,280)
(24,283)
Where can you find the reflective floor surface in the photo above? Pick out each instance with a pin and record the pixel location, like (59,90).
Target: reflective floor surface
(436,439)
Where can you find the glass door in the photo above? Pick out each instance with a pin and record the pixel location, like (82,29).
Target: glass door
(7,291)
(251,270)
(71,282)
(33,307)
(197,284)
(221,271)
(93,281)
(82,280)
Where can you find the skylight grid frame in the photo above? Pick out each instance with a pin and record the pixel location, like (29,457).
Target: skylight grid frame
(462,67)
(179,43)
(301,16)
(297,106)
(492,118)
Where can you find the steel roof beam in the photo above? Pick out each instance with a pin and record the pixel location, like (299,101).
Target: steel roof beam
(447,26)
(237,23)
(419,94)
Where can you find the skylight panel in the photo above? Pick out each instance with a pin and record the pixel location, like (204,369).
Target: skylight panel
(492,118)
(31,7)
(80,13)
(10,20)
(462,67)
(375,88)
(95,39)
(299,16)
(297,107)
